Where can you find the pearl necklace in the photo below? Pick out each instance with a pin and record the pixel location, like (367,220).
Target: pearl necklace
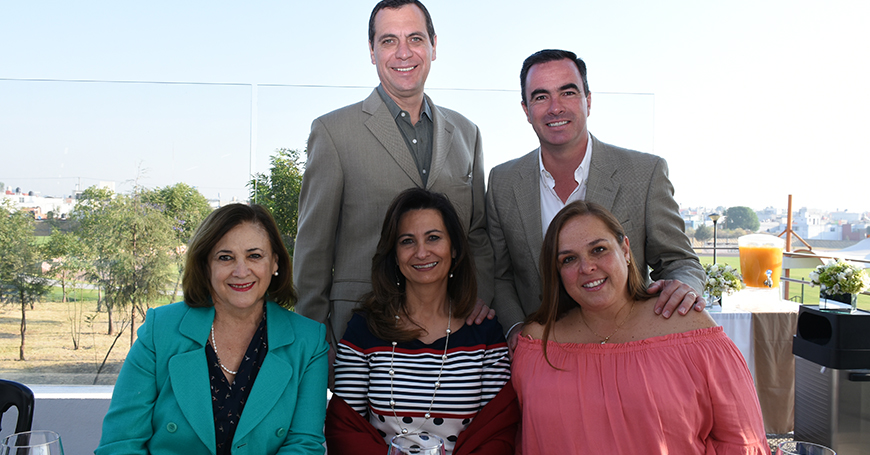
(437,381)
(214,345)
(607,338)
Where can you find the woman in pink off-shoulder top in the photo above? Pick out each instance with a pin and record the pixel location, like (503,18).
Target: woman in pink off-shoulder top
(596,372)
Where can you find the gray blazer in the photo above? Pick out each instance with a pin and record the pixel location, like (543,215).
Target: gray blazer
(632,185)
(357,164)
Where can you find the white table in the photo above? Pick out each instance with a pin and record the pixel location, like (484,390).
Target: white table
(762,326)
(738,326)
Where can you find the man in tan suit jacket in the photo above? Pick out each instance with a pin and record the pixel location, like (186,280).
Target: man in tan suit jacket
(359,160)
(632,185)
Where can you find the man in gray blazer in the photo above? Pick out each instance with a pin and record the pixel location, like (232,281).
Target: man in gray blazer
(362,156)
(525,194)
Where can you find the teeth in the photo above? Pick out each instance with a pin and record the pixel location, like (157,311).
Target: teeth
(425,266)
(563,122)
(594,283)
(241,286)
(405,70)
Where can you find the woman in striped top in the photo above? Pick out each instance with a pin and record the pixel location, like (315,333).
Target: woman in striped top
(407,362)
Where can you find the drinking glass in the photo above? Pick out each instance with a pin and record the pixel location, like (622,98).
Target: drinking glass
(416,444)
(802,448)
(40,442)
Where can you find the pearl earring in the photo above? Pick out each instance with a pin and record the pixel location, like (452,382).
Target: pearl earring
(276,273)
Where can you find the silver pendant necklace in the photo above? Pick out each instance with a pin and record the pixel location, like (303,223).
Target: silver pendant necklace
(428,413)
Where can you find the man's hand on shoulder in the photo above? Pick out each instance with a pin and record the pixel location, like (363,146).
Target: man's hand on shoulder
(479,313)
(676,295)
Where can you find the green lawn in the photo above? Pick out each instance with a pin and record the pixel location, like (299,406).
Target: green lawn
(801,293)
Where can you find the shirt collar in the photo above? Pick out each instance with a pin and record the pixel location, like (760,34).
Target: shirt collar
(394,108)
(581,174)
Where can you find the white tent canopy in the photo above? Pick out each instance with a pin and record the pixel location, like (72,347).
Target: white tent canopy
(860,250)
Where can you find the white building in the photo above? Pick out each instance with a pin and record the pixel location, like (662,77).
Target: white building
(40,205)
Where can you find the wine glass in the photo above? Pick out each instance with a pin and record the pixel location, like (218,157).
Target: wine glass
(39,442)
(416,444)
(802,448)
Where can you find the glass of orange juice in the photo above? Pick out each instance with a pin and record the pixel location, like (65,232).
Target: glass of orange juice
(758,254)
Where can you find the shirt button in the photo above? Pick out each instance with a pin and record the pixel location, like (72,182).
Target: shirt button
(281,432)
(171,427)
(424,171)
(402,114)
(413,141)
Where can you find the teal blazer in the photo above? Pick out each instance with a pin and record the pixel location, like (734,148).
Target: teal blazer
(162,399)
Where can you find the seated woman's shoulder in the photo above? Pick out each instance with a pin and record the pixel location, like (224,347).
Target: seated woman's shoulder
(677,323)
(533,330)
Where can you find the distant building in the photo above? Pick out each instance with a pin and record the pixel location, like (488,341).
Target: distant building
(851,217)
(38,205)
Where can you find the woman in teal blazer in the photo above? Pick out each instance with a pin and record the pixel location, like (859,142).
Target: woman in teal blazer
(228,370)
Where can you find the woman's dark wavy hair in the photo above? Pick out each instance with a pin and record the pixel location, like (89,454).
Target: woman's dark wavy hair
(387,300)
(556,302)
(196,280)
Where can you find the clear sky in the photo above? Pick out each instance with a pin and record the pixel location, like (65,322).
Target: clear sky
(749,101)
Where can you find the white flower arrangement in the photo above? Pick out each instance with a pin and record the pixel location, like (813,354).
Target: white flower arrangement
(840,277)
(722,279)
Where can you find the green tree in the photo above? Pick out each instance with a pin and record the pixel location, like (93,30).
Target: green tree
(185,208)
(279,191)
(64,254)
(741,217)
(183,204)
(129,243)
(21,266)
(703,233)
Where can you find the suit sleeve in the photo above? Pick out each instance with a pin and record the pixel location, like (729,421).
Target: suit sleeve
(668,251)
(127,426)
(305,435)
(506,301)
(319,210)
(478,239)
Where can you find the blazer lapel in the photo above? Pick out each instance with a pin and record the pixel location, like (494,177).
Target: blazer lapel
(275,373)
(602,187)
(528,196)
(383,127)
(188,374)
(441,142)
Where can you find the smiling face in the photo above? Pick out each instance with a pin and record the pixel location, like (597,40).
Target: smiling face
(557,106)
(402,52)
(423,249)
(241,265)
(593,264)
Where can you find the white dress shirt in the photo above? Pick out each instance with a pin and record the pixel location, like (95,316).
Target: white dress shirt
(550,201)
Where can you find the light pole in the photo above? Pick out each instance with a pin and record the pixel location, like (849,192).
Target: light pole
(715,217)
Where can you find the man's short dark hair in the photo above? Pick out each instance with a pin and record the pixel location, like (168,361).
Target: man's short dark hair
(396,4)
(552,55)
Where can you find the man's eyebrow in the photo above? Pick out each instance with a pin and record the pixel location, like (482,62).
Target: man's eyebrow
(386,35)
(538,92)
(393,35)
(569,86)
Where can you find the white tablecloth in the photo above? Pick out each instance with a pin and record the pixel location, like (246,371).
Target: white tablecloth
(738,326)
(762,326)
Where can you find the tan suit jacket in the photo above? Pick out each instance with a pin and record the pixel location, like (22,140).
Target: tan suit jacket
(634,186)
(358,163)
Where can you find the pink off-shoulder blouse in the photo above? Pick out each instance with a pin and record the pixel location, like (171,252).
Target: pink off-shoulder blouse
(685,393)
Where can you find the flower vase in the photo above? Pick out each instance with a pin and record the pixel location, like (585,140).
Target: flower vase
(844,303)
(714,303)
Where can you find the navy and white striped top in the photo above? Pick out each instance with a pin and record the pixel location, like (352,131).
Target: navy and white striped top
(476,369)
